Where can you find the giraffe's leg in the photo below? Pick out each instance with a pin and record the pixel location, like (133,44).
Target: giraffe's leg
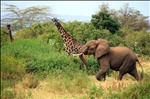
(84,61)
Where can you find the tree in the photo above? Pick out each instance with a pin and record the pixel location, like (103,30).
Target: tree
(127,17)
(20,18)
(131,17)
(102,20)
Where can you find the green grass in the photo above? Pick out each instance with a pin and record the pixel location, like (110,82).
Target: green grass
(28,62)
(32,56)
(37,56)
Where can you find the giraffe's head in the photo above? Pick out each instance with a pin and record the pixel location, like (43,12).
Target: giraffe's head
(8,26)
(55,20)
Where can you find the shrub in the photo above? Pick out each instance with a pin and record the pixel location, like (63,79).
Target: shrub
(139,42)
(38,57)
(12,68)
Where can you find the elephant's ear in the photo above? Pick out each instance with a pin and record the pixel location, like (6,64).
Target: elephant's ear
(102,48)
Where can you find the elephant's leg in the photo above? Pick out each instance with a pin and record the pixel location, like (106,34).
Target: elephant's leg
(120,76)
(82,57)
(134,73)
(101,74)
(103,77)
(104,68)
(124,68)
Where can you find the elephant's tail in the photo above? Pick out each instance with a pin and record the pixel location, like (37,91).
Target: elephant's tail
(142,74)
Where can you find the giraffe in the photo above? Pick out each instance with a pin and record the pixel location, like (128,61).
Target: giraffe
(9,32)
(72,46)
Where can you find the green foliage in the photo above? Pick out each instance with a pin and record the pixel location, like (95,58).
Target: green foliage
(84,32)
(32,51)
(63,75)
(39,59)
(116,40)
(41,31)
(93,65)
(4,36)
(45,32)
(12,68)
(102,20)
(80,31)
(139,42)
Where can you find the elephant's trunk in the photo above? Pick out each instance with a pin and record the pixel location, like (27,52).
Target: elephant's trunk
(83,50)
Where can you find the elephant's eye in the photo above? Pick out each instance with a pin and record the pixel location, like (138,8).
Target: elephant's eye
(92,48)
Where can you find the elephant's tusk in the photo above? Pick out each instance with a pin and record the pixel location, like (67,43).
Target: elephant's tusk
(77,54)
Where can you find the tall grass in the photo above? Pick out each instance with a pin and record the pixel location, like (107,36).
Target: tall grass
(135,91)
(41,57)
(37,56)
(31,56)
(32,61)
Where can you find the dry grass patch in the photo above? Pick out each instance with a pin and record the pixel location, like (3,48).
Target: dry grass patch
(112,84)
(77,86)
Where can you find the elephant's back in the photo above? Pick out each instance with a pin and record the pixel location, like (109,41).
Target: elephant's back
(120,51)
(125,52)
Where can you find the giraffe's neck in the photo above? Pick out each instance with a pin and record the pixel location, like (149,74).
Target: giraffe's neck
(64,34)
(10,35)
(72,47)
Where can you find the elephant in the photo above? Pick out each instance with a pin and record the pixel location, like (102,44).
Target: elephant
(119,58)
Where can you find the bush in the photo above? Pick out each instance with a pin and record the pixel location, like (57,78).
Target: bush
(12,71)
(12,68)
(93,65)
(38,57)
(139,42)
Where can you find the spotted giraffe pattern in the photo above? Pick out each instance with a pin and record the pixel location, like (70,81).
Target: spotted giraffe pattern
(72,47)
